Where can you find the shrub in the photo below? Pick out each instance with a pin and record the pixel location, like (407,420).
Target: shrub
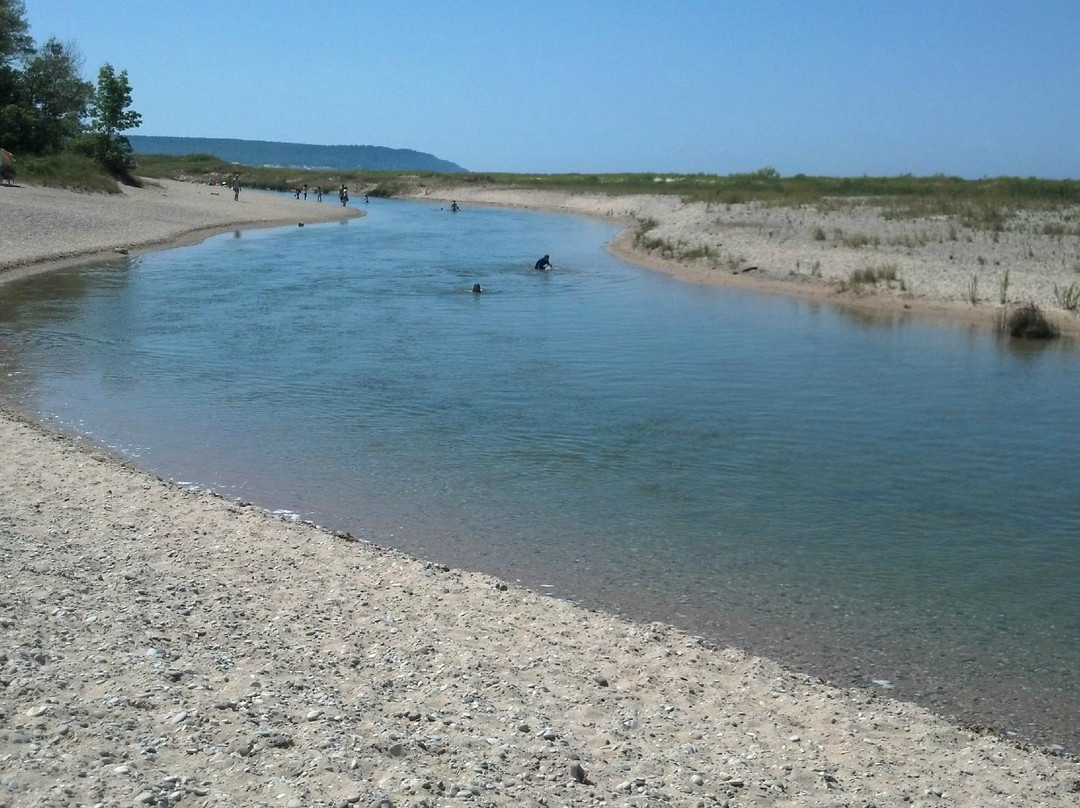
(1027,322)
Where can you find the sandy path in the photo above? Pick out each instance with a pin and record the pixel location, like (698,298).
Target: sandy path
(160,646)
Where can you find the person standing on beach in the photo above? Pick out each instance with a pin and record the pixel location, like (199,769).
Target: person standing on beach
(236,187)
(305,191)
(343,195)
(318,193)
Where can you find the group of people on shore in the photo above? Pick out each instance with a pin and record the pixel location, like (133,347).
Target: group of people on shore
(300,192)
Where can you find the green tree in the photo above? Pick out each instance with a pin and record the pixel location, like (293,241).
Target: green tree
(57,96)
(110,116)
(15,47)
(15,41)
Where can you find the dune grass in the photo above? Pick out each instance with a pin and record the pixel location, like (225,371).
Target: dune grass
(1068,297)
(66,170)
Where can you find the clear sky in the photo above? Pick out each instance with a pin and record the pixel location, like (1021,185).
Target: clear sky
(834,87)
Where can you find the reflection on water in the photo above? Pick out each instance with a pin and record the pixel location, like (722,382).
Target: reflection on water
(866,499)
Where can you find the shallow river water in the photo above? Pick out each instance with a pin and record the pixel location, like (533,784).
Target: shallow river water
(883,503)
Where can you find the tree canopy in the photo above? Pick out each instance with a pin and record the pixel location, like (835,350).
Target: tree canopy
(45,102)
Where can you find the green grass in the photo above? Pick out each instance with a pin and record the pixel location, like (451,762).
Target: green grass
(66,170)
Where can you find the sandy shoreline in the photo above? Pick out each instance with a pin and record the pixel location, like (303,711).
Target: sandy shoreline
(45,228)
(813,253)
(163,646)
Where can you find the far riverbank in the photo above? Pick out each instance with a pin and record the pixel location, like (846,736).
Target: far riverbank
(852,254)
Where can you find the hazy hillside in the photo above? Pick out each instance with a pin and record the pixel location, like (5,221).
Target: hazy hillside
(300,155)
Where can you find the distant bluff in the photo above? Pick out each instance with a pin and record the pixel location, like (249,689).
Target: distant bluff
(295,155)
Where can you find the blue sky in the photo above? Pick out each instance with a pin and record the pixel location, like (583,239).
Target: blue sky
(878,87)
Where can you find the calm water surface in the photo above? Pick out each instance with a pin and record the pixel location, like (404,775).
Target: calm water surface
(879,502)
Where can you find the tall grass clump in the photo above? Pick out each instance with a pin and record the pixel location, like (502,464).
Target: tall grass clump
(1003,288)
(872,276)
(973,290)
(1027,322)
(1068,297)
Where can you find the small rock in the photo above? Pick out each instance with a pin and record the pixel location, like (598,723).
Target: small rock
(697,780)
(577,771)
(396,750)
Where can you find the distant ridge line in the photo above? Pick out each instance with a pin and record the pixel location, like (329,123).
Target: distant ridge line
(295,155)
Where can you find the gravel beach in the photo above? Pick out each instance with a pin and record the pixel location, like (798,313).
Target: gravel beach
(163,646)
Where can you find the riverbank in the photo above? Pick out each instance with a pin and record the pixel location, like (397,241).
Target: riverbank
(43,228)
(158,643)
(848,253)
(164,644)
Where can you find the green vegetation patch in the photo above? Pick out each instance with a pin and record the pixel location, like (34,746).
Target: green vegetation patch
(68,170)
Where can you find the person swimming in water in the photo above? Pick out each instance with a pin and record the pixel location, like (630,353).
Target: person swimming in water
(477,289)
(454,207)
(543,263)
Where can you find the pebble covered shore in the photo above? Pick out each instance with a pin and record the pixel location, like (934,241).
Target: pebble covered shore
(161,646)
